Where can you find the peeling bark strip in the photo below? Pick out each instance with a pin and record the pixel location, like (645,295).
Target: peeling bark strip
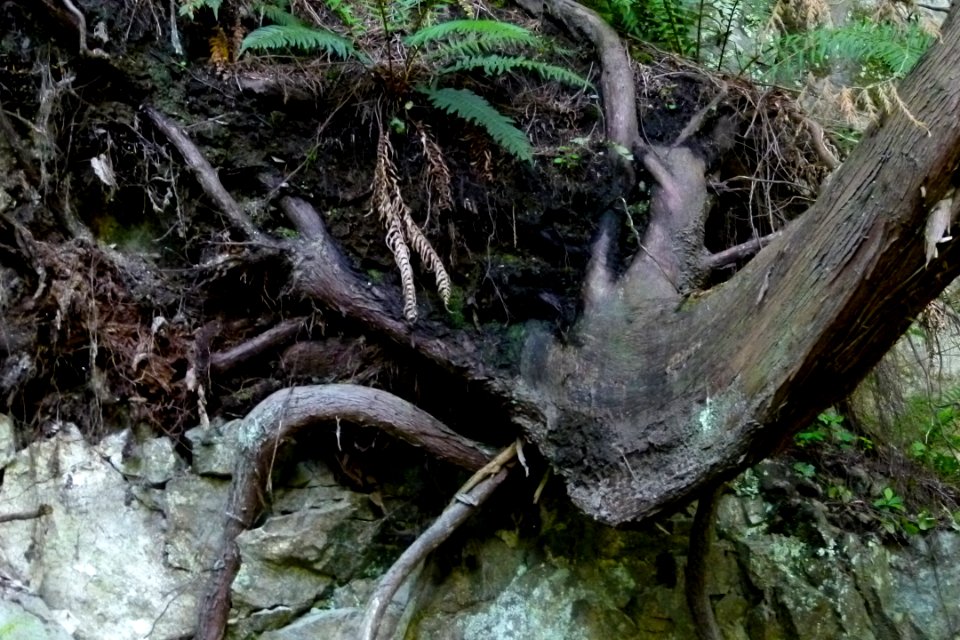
(280,417)
(658,397)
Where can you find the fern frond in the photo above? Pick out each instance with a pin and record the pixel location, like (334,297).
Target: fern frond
(889,49)
(299,36)
(486,34)
(472,108)
(277,13)
(190,7)
(496,65)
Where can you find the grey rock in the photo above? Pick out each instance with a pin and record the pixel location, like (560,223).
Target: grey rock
(8,441)
(97,560)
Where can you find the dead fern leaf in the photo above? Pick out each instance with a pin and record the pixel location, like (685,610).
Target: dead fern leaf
(438,173)
(219,49)
(401,230)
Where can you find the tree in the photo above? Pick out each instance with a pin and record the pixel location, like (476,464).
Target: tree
(661,390)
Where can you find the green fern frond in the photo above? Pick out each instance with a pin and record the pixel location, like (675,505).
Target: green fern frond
(190,7)
(496,65)
(277,13)
(298,36)
(472,108)
(486,34)
(888,49)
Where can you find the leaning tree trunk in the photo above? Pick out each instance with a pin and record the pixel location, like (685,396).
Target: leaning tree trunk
(660,393)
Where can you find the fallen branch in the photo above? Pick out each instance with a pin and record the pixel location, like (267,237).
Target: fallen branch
(727,257)
(473,493)
(279,418)
(204,172)
(42,510)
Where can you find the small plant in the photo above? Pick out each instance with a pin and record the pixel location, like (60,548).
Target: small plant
(568,155)
(889,501)
(805,469)
(840,493)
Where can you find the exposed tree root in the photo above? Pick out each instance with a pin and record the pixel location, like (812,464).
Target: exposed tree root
(470,496)
(280,418)
(42,510)
(701,540)
(272,338)
(203,171)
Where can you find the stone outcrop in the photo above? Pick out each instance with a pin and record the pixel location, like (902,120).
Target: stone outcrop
(133,528)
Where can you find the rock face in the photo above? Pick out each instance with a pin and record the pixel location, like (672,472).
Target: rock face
(133,528)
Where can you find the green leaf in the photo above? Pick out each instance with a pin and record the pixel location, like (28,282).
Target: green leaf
(472,108)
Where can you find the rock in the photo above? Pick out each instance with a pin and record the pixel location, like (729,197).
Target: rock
(98,558)
(154,460)
(8,440)
(194,509)
(215,448)
(26,617)
(334,624)
(292,559)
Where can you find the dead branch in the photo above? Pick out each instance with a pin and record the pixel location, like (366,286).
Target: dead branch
(473,493)
(270,339)
(701,539)
(42,510)
(744,250)
(206,175)
(279,418)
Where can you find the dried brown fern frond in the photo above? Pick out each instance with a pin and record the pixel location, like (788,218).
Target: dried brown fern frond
(438,173)
(402,231)
(219,49)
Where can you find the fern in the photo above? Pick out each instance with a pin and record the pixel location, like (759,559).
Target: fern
(883,49)
(472,108)
(299,36)
(277,13)
(190,7)
(496,65)
(483,35)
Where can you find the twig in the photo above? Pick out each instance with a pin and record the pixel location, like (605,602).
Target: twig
(42,510)
(204,172)
(473,493)
(729,256)
(280,417)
